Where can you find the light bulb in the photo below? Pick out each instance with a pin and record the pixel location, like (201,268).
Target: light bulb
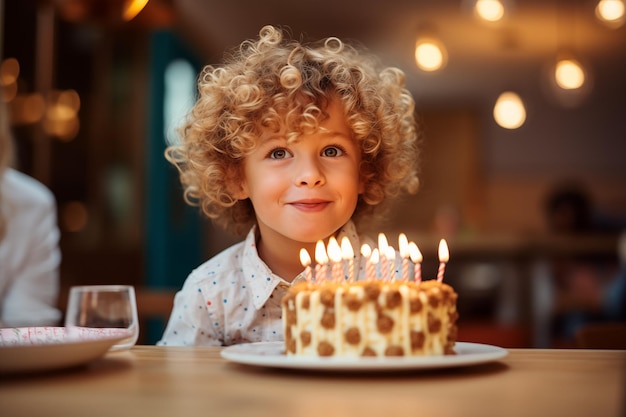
(429,55)
(610,11)
(569,74)
(509,111)
(490,10)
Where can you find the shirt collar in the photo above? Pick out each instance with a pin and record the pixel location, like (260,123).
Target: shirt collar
(262,281)
(259,278)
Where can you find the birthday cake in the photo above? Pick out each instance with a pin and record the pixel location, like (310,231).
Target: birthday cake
(378,316)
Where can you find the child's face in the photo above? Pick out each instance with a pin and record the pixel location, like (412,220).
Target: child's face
(305,190)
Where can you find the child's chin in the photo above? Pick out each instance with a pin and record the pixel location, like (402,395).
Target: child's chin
(307,235)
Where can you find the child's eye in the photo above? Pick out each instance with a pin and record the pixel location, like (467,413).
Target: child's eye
(279,153)
(333,151)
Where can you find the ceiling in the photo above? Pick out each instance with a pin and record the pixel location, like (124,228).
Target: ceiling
(484,58)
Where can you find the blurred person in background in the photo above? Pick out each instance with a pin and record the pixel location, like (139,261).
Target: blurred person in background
(588,288)
(614,297)
(29,244)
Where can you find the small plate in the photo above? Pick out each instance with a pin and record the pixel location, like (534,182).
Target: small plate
(271,354)
(30,349)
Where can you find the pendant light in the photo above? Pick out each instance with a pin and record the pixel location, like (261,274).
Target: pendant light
(430,52)
(509,111)
(569,74)
(567,80)
(567,77)
(489,10)
(430,55)
(611,12)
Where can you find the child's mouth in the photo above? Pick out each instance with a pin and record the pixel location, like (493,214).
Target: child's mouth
(310,205)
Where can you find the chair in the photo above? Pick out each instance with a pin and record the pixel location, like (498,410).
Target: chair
(155,303)
(154,308)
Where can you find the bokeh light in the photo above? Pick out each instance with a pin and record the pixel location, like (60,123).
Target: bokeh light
(509,111)
(611,12)
(489,10)
(430,54)
(569,74)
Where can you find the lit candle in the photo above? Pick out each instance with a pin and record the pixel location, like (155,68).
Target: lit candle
(348,255)
(334,253)
(444,256)
(391,259)
(403,244)
(382,250)
(416,258)
(373,262)
(382,242)
(305,259)
(321,259)
(366,252)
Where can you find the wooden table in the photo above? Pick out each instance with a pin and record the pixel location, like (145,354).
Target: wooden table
(157,381)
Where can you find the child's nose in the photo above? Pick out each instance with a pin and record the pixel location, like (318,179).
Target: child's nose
(309,173)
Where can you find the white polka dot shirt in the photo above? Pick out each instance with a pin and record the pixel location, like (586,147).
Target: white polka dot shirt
(233,298)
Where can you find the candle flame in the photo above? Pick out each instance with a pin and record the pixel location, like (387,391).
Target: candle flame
(382,243)
(366,250)
(334,251)
(390,253)
(346,249)
(444,255)
(403,244)
(375,256)
(320,253)
(305,258)
(414,252)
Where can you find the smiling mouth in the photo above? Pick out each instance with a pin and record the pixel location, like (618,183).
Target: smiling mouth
(310,205)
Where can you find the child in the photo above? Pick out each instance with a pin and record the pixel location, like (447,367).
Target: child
(290,143)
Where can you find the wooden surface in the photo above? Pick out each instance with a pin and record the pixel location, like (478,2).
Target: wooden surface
(157,381)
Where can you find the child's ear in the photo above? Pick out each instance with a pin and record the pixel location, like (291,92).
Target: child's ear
(238,190)
(237,186)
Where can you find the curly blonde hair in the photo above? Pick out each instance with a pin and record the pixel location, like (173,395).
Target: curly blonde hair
(277,83)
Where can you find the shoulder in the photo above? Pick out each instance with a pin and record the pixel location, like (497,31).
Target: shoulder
(24,191)
(227,262)
(225,274)
(213,289)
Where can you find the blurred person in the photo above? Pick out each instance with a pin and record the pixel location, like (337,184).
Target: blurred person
(586,286)
(568,209)
(29,244)
(614,296)
(287,144)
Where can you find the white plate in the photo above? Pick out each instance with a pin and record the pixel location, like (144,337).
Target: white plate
(271,354)
(29,349)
